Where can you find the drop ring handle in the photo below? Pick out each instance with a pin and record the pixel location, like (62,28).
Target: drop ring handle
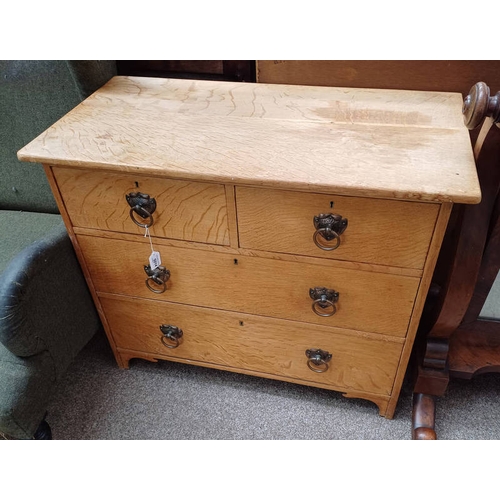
(170,337)
(158,276)
(328,227)
(142,212)
(158,282)
(173,334)
(143,205)
(328,235)
(315,366)
(324,300)
(323,303)
(318,360)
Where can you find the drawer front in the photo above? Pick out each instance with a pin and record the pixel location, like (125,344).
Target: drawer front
(248,342)
(387,232)
(191,211)
(373,302)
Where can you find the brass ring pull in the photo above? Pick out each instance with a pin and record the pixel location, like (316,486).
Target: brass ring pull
(318,360)
(322,303)
(173,334)
(324,300)
(327,235)
(140,210)
(158,276)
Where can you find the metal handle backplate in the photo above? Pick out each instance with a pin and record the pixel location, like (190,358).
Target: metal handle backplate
(328,227)
(318,360)
(142,205)
(324,300)
(158,276)
(171,337)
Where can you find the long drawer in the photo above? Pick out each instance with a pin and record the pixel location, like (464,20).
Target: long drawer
(375,302)
(388,232)
(264,345)
(191,211)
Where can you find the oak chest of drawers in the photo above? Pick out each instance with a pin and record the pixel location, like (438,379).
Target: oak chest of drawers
(297,227)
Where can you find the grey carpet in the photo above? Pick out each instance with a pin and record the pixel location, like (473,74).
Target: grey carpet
(172,401)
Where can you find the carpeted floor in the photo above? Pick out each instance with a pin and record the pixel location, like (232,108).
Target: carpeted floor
(172,401)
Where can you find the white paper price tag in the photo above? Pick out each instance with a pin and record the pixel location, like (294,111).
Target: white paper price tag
(154,260)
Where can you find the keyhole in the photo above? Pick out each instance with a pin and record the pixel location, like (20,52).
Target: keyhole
(241,323)
(136,184)
(331,204)
(236,261)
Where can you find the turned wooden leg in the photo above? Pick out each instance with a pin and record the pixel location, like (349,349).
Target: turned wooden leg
(423,418)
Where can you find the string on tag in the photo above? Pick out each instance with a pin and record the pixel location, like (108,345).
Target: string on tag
(154,258)
(148,234)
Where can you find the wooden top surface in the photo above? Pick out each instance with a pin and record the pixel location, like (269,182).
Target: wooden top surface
(361,142)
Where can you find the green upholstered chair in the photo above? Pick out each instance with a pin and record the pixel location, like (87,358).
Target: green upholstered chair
(46,311)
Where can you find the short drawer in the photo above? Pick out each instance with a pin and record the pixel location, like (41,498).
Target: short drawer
(358,362)
(191,211)
(373,302)
(387,232)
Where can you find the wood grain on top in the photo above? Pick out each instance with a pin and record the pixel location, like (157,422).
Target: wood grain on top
(363,142)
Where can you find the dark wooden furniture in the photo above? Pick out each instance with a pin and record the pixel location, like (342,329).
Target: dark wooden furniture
(458,342)
(233,71)
(434,75)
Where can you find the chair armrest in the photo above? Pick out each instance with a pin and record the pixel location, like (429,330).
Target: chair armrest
(45,304)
